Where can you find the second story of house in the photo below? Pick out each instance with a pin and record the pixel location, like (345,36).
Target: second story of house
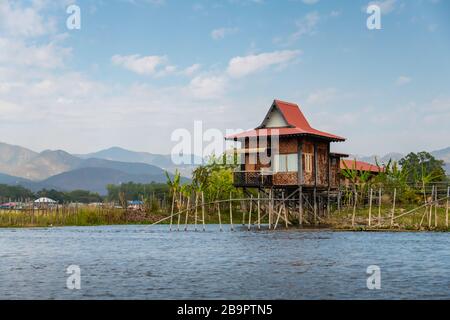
(285,150)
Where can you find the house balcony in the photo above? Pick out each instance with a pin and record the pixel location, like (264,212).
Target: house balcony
(253,179)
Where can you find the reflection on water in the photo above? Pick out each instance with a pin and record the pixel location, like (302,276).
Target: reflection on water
(148,262)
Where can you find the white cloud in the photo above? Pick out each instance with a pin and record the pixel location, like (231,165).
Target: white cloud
(141,65)
(189,71)
(18,53)
(305,26)
(220,33)
(243,66)
(24,22)
(207,86)
(403,80)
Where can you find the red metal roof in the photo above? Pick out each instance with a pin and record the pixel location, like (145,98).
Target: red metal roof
(360,165)
(297,125)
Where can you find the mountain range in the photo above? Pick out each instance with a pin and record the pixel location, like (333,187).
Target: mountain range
(63,171)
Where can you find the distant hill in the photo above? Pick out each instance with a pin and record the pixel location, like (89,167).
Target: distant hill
(443,154)
(159,160)
(96,179)
(63,171)
(17,181)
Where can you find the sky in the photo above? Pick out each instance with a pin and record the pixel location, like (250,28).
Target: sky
(137,70)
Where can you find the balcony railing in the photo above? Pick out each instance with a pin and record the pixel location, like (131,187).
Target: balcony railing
(252,179)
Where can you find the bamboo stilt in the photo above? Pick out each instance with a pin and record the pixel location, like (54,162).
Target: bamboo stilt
(447,207)
(354,208)
(370,207)
(431,207)
(393,207)
(435,208)
(250,213)
(171,211)
(231,213)
(187,214)
(315,206)
(285,214)
(179,212)
(259,211)
(300,207)
(270,204)
(379,207)
(203,212)
(196,211)
(220,219)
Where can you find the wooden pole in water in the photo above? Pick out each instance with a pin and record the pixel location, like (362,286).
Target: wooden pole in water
(393,207)
(220,219)
(300,207)
(431,207)
(243,209)
(187,214)
(196,211)
(354,207)
(270,206)
(447,206)
(203,211)
(179,211)
(259,210)
(315,205)
(435,208)
(250,213)
(171,211)
(379,207)
(285,214)
(231,213)
(370,207)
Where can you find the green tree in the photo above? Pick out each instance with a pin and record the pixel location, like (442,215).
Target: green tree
(420,165)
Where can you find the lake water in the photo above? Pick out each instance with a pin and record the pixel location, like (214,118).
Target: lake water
(148,262)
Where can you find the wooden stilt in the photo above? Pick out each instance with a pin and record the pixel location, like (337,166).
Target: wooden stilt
(339,201)
(300,207)
(250,213)
(431,207)
(393,207)
(187,214)
(370,207)
(259,210)
(447,207)
(171,211)
(231,213)
(270,208)
(244,209)
(179,211)
(196,211)
(278,217)
(379,207)
(354,207)
(436,205)
(285,214)
(220,219)
(203,211)
(315,205)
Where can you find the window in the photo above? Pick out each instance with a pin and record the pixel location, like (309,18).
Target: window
(285,163)
(308,162)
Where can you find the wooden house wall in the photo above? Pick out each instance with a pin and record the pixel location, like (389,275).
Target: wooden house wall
(290,145)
